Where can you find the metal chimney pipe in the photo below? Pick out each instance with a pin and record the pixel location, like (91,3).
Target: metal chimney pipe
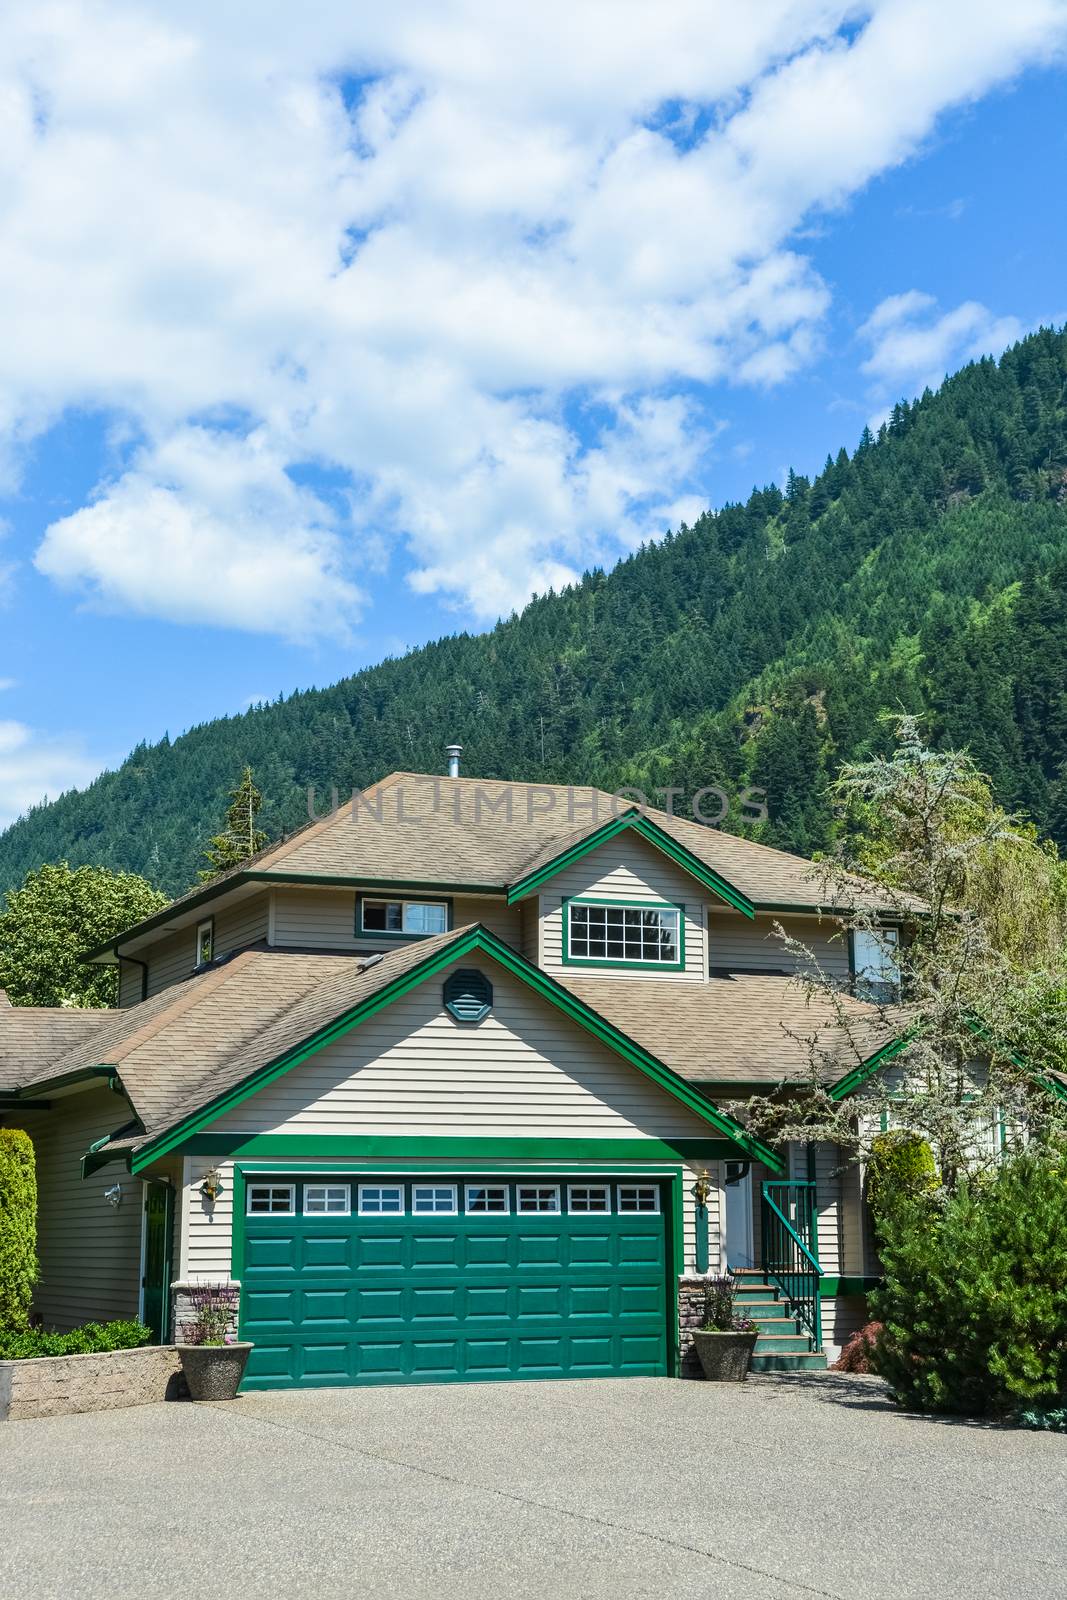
(453,751)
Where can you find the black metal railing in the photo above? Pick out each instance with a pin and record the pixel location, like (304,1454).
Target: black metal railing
(788,1248)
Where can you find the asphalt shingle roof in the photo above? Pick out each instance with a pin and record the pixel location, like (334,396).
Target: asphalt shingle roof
(33,1038)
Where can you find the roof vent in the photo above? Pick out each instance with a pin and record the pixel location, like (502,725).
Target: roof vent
(453,751)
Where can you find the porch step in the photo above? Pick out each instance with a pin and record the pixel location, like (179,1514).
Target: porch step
(813,1361)
(780,1345)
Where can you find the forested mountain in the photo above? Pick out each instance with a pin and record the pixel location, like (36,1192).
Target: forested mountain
(928,571)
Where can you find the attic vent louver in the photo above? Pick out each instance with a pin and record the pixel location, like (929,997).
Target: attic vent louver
(468,995)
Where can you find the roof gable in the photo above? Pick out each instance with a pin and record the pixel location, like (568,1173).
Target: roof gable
(395,976)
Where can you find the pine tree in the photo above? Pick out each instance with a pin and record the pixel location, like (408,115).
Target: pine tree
(241,837)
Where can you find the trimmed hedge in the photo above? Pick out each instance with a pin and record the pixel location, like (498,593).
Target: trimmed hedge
(94,1337)
(18,1228)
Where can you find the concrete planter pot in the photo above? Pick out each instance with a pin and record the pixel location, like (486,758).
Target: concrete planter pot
(724,1356)
(214,1371)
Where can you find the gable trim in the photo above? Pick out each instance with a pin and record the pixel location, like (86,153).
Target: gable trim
(858,1076)
(655,836)
(476,938)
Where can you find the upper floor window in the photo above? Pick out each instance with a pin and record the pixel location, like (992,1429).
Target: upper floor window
(617,934)
(876,961)
(398,919)
(205,941)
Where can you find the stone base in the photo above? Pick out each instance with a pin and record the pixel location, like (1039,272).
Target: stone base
(690,1316)
(181,1309)
(56,1386)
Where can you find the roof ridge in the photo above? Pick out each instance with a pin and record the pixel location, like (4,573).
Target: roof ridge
(298,839)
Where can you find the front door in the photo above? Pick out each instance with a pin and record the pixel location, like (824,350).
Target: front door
(739,1240)
(155,1272)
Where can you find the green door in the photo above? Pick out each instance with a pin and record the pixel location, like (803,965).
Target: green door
(155,1282)
(436,1280)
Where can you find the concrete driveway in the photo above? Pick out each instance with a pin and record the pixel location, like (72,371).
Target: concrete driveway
(782,1487)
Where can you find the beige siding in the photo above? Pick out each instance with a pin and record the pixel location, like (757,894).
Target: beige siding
(531,929)
(236,927)
(740,944)
(626,868)
(525,1071)
(842,1316)
(716,1215)
(90,1252)
(206,1228)
(325,919)
(130,977)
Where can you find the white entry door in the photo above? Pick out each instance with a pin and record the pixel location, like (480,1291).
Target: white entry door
(739,1241)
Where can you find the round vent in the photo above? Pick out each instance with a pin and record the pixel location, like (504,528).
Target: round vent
(468,995)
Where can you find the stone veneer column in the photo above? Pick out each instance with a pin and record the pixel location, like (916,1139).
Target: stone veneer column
(181,1309)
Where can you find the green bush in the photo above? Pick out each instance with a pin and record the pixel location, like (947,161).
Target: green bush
(24,1345)
(1045,1420)
(901,1167)
(974,1298)
(18,1228)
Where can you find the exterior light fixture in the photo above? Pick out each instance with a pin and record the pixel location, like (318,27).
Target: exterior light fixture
(113,1196)
(702,1188)
(211,1187)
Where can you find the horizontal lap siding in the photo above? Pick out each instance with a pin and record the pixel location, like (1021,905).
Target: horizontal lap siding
(626,869)
(207,1232)
(90,1252)
(236,927)
(130,980)
(739,945)
(411,1069)
(325,919)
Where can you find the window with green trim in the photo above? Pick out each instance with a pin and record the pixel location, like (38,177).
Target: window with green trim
(412,919)
(616,934)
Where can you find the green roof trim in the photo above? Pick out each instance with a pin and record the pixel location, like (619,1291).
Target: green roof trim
(476,938)
(656,836)
(858,1076)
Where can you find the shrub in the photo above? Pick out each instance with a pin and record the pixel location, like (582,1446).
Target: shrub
(18,1228)
(974,1298)
(902,1167)
(1054,1421)
(27,1343)
(857,1354)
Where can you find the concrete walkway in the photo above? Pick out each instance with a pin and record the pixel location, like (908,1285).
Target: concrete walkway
(782,1487)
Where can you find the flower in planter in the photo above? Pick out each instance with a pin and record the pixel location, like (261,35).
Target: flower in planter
(719,1313)
(215,1308)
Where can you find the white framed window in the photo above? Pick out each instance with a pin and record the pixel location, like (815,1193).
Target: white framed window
(638,1197)
(876,958)
(583,1197)
(327,1199)
(621,934)
(541,1197)
(396,917)
(381,1200)
(205,941)
(485,1197)
(271,1199)
(434,1199)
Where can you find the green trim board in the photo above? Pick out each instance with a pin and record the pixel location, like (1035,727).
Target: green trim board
(610,962)
(475,938)
(829,1288)
(428,1148)
(654,835)
(854,1079)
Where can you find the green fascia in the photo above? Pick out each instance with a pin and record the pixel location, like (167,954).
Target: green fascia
(428,1149)
(858,1076)
(81,1075)
(475,938)
(830,1287)
(655,835)
(1051,1085)
(623,966)
(92,1160)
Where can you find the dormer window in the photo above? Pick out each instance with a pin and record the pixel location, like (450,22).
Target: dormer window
(205,942)
(623,934)
(401,919)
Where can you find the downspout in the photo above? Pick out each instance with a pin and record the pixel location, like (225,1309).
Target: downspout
(144,971)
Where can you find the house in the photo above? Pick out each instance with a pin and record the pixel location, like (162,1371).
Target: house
(439,1081)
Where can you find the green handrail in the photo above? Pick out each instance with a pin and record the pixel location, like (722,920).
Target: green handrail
(785,1257)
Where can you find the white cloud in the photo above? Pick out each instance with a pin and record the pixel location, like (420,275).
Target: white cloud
(33,766)
(425,285)
(7,683)
(912,347)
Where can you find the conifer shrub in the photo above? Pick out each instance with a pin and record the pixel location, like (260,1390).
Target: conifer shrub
(974,1297)
(18,1228)
(902,1165)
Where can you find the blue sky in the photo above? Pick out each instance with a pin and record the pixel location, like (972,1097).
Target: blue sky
(323,347)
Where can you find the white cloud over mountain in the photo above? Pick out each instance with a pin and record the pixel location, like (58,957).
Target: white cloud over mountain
(478,261)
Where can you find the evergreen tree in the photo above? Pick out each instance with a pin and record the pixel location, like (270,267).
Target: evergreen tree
(241,838)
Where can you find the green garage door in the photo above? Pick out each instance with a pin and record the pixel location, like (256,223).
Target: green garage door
(389,1280)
